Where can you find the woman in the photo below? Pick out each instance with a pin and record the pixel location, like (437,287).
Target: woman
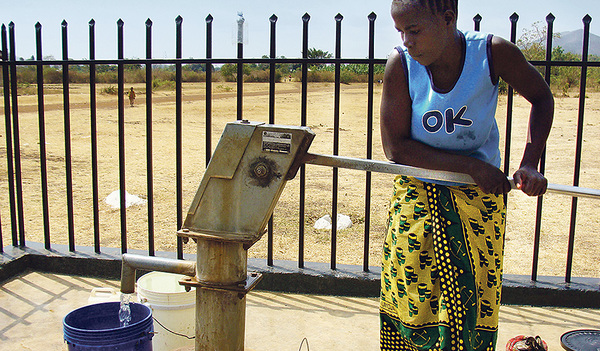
(442,258)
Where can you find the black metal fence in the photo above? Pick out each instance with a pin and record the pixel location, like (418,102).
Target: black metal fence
(14,182)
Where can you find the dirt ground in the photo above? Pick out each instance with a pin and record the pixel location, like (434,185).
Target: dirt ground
(353,109)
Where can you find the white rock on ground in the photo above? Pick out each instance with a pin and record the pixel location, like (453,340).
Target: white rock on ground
(343,222)
(113,200)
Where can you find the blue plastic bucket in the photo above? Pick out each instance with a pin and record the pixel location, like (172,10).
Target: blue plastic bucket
(96,327)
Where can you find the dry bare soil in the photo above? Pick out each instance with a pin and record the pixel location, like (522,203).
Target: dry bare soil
(353,110)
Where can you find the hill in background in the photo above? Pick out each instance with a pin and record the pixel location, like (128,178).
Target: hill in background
(573,42)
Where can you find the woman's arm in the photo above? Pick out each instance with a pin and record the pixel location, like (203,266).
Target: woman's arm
(399,147)
(510,65)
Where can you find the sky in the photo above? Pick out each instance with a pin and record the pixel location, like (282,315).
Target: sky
(77,13)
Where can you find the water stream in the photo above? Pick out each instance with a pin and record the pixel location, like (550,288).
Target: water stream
(125,310)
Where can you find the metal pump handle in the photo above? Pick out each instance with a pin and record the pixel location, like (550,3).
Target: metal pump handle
(395,168)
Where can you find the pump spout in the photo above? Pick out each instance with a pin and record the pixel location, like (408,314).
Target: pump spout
(130,263)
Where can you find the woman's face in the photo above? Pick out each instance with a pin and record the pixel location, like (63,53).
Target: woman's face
(425,34)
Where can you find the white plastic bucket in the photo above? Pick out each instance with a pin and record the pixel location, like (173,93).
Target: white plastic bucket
(103,294)
(173,309)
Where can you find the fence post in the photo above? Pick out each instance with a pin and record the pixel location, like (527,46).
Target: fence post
(303,102)
(42,135)
(336,137)
(121,123)
(272,67)
(209,68)
(94,135)
(582,88)
(240,65)
(542,168)
(178,132)
(8,132)
(368,176)
(514,18)
(67,125)
(149,148)
(16,138)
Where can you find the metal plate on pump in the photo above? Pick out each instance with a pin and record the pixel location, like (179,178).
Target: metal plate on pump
(244,179)
(277,141)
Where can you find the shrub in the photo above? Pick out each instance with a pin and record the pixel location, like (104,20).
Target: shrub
(109,90)
(262,76)
(320,76)
(135,76)
(27,75)
(109,77)
(228,72)
(192,76)
(222,88)
(159,84)
(502,87)
(26,89)
(163,75)
(79,77)
(347,77)
(52,76)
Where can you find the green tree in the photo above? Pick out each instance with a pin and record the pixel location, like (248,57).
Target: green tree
(314,53)
(229,72)
(565,78)
(533,45)
(533,42)
(195,67)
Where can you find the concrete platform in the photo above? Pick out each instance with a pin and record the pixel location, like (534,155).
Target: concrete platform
(32,306)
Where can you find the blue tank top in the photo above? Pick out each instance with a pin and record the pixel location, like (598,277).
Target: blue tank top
(461,120)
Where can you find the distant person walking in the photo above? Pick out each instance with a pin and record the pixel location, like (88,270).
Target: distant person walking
(131,97)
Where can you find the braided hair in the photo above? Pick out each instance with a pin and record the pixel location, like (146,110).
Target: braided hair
(436,6)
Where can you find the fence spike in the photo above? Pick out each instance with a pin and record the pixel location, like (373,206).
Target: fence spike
(4,52)
(372,16)
(477,22)
(65,46)
(209,18)
(273,18)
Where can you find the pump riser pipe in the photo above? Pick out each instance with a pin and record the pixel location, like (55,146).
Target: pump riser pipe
(220,313)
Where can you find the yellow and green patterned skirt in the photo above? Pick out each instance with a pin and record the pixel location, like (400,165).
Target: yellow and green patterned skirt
(442,268)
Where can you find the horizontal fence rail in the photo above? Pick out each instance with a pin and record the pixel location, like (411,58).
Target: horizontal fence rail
(17,218)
